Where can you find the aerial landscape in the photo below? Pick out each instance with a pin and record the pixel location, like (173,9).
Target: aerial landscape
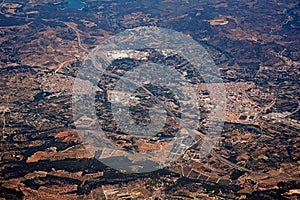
(160,99)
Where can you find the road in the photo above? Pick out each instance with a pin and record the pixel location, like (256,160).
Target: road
(78,37)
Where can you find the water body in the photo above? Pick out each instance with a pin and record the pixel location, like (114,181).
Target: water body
(74,4)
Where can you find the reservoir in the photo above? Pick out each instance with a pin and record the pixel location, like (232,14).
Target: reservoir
(74,4)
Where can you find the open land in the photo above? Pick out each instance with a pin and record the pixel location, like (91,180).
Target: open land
(255,45)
